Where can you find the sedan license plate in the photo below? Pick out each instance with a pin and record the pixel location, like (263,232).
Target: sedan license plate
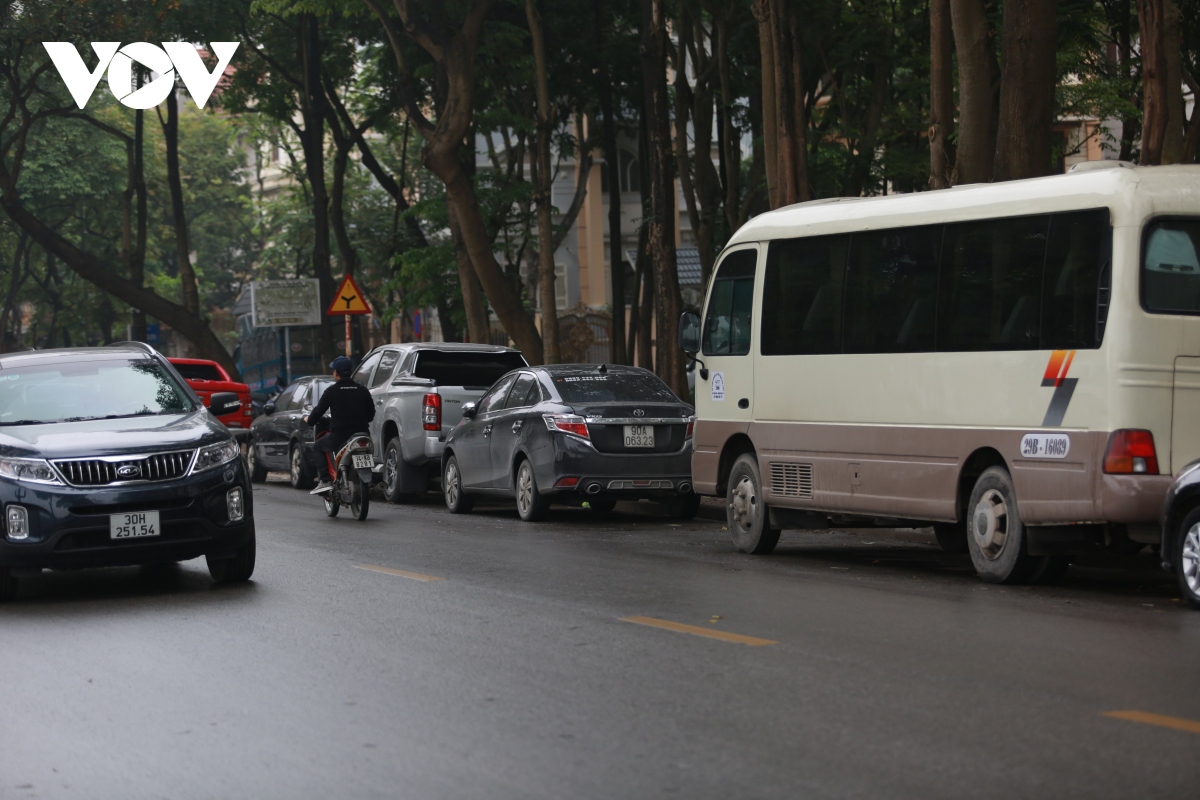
(363,462)
(639,436)
(133,525)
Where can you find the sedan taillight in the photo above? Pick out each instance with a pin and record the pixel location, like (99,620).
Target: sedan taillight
(567,423)
(432,412)
(691,427)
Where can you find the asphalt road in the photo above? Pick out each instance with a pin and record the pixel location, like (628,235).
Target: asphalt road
(496,660)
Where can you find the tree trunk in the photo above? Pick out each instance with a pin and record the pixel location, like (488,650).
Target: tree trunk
(763,14)
(1130,125)
(660,225)
(15,279)
(542,193)
(453,52)
(1156,113)
(645,276)
(189,291)
(1173,138)
(312,140)
(108,279)
(978,82)
(337,200)
(137,261)
(474,306)
(941,95)
(731,139)
(787,105)
(1024,135)
(612,168)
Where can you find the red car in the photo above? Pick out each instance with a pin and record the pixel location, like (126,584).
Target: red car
(207,378)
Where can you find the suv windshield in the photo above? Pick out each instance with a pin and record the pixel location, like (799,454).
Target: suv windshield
(481,370)
(81,390)
(635,387)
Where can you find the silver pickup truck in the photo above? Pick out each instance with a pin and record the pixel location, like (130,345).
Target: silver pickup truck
(419,390)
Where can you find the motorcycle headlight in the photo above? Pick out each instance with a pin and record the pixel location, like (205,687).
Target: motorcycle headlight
(30,470)
(215,455)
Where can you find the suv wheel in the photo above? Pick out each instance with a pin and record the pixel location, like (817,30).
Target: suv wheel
(300,475)
(233,570)
(8,585)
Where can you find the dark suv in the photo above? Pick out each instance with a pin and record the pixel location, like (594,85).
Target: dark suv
(108,458)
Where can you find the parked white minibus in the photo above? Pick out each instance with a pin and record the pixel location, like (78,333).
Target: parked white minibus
(1016,364)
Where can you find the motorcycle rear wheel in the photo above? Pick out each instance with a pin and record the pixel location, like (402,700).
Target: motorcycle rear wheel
(360,501)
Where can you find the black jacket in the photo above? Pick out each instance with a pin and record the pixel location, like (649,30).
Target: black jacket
(351,404)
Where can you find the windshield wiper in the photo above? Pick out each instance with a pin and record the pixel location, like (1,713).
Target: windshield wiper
(29,422)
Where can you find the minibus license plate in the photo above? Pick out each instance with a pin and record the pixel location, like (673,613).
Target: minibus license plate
(363,462)
(639,436)
(133,525)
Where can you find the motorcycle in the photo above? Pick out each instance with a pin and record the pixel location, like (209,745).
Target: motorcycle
(355,467)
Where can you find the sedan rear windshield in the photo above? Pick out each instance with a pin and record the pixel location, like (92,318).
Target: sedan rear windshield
(83,390)
(199,372)
(465,368)
(636,387)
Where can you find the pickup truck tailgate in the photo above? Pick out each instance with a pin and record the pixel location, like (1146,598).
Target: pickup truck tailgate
(453,399)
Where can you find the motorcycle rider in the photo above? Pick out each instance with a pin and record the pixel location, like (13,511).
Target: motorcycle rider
(352,409)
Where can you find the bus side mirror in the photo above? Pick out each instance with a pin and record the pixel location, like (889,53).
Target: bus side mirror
(689,332)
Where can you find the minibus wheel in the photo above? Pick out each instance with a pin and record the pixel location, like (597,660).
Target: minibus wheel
(995,533)
(1187,557)
(749,522)
(951,536)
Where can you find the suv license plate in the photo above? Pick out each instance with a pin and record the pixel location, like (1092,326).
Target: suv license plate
(133,525)
(639,436)
(363,462)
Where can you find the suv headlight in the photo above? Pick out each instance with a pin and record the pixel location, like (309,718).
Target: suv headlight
(215,455)
(30,470)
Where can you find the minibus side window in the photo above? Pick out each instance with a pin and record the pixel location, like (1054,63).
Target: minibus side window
(891,290)
(802,296)
(727,323)
(1080,248)
(990,295)
(1171,266)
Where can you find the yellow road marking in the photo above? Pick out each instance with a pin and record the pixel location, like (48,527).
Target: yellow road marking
(416,576)
(679,627)
(1189,725)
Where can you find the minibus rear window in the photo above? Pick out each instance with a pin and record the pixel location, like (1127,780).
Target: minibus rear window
(1170,266)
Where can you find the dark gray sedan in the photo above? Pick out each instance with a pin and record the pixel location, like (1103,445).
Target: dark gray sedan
(570,433)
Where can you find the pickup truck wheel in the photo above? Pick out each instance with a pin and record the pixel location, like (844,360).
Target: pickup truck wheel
(393,462)
(258,472)
(457,500)
(300,474)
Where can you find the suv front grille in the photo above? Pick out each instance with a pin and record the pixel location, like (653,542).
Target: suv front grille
(120,469)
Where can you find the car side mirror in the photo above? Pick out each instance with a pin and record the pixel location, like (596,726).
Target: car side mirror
(222,403)
(689,332)
(468,410)
(269,407)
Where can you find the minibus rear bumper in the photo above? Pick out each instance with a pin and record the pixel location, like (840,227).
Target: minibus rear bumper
(1132,499)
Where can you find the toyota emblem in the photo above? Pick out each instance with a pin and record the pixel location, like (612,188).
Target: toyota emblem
(637,412)
(129,471)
